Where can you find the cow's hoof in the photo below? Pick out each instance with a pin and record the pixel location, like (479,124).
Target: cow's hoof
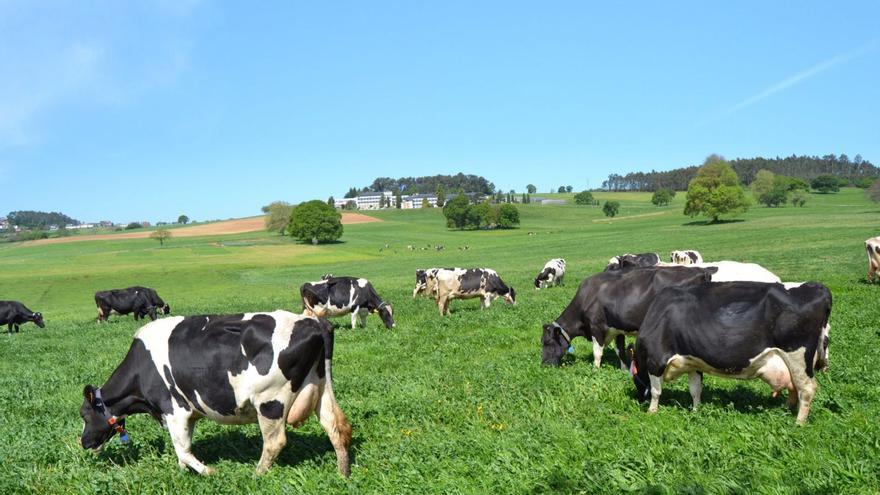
(261,470)
(209,471)
(652,410)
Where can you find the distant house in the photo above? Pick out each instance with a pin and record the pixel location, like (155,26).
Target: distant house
(547,201)
(416,200)
(370,200)
(80,226)
(4,223)
(105,223)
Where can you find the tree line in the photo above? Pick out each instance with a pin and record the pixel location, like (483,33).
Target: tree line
(428,184)
(857,172)
(39,219)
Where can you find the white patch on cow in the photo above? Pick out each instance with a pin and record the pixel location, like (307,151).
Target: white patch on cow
(362,282)
(597,352)
(733,271)
(792,285)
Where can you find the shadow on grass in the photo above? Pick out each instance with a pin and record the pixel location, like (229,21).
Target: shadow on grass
(742,399)
(709,222)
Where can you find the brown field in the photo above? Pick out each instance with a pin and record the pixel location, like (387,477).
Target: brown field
(236,226)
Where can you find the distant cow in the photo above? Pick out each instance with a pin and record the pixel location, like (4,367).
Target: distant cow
(141,301)
(266,368)
(738,330)
(612,304)
(552,274)
(338,296)
(689,257)
(624,261)
(872,246)
(471,283)
(14,313)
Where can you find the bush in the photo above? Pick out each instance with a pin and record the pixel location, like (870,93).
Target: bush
(315,221)
(507,216)
(583,198)
(133,225)
(662,197)
(715,191)
(278,216)
(865,182)
(825,184)
(873,192)
(460,214)
(611,208)
(455,211)
(798,198)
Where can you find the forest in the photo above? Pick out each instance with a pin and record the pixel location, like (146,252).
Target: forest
(39,219)
(428,184)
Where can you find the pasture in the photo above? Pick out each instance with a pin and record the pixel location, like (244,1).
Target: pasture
(458,404)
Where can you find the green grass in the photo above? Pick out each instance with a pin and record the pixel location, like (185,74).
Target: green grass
(458,404)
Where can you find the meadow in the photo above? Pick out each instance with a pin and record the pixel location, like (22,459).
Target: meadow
(458,404)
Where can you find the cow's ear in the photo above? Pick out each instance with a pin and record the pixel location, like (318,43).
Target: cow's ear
(89,394)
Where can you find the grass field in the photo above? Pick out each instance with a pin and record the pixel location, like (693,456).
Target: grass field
(458,404)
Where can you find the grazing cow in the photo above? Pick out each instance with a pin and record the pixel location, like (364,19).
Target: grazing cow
(872,246)
(470,283)
(154,299)
(612,304)
(552,274)
(740,330)
(689,257)
(624,261)
(14,313)
(266,368)
(338,296)
(426,281)
(137,300)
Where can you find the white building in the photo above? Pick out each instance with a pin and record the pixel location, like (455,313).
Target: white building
(370,200)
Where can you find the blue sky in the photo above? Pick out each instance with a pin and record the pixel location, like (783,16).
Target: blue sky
(146,110)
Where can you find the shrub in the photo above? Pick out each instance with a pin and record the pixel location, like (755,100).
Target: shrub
(133,225)
(278,216)
(825,184)
(662,197)
(611,208)
(873,192)
(315,221)
(865,182)
(583,198)
(507,216)
(798,198)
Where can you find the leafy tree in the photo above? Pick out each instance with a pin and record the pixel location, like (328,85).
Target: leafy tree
(39,219)
(865,182)
(507,216)
(611,208)
(183,219)
(133,225)
(768,190)
(568,189)
(456,212)
(398,200)
(161,235)
(524,200)
(662,197)
(531,189)
(715,191)
(352,193)
(315,221)
(350,205)
(478,215)
(331,201)
(528,198)
(799,197)
(441,196)
(583,198)
(825,184)
(873,192)
(561,189)
(426,203)
(277,216)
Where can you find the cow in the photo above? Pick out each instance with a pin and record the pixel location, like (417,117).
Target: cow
(624,261)
(552,274)
(734,271)
(137,300)
(426,281)
(338,296)
(612,304)
(688,257)
(470,283)
(741,330)
(872,246)
(154,299)
(14,314)
(266,368)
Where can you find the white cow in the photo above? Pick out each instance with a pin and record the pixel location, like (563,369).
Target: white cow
(552,274)
(688,257)
(872,246)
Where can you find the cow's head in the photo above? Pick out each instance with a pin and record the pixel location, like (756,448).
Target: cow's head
(510,297)
(553,345)
(639,376)
(542,277)
(421,282)
(386,312)
(37,318)
(97,427)
(166,309)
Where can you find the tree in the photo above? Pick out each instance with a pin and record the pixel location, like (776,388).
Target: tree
(873,192)
(161,235)
(715,191)
(426,203)
(507,216)
(315,221)
(456,212)
(133,225)
(331,201)
(277,216)
(352,193)
(662,197)
(865,182)
(531,189)
(561,189)
(583,198)
(183,219)
(478,215)
(825,184)
(770,189)
(611,208)
(524,200)
(568,189)
(798,198)
(350,205)
(441,196)
(398,200)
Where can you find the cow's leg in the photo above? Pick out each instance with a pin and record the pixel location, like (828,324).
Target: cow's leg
(354,318)
(486,302)
(274,436)
(695,385)
(9,331)
(181,427)
(620,340)
(336,425)
(656,389)
(806,392)
(597,352)
(443,305)
(17,328)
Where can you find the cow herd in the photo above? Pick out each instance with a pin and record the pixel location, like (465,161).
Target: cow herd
(729,319)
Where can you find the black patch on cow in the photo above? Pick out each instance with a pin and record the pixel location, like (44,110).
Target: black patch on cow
(693,256)
(310,341)
(470,280)
(257,343)
(272,409)
(181,401)
(495,285)
(205,350)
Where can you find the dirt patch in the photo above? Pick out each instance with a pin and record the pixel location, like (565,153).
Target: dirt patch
(237,226)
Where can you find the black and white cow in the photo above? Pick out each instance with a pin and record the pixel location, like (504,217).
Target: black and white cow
(338,296)
(266,368)
(740,330)
(142,301)
(687,257)
(14,314)
(552,274)
(612,304)
(471,283)
(872,246)
(624,261)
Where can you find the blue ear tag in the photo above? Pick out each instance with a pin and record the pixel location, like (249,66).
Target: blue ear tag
(570,350)
(124,437)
